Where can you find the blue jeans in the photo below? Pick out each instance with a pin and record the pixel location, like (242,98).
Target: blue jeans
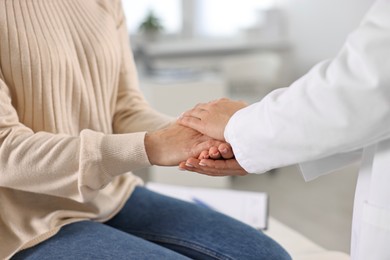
(154,226)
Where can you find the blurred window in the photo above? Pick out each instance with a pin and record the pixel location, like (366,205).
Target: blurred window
(168,11)
(227,17)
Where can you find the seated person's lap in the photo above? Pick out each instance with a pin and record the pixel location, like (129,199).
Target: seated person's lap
(168,223)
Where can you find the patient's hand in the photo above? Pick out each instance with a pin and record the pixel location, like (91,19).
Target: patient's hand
(176,143)
(217,161)
(211,118)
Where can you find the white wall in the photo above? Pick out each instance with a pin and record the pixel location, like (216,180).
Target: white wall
(318,28)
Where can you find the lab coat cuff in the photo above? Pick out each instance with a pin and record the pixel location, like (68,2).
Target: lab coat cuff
(314,169)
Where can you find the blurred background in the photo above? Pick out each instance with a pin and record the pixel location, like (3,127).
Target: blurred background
(191,51)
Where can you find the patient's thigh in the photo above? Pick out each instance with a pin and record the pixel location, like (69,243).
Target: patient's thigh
(91,240)
(192,230)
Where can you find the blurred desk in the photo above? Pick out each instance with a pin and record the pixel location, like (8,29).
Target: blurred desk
(186,48)
(246,64)
(175,91)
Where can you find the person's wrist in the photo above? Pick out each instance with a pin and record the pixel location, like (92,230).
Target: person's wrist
(150,145)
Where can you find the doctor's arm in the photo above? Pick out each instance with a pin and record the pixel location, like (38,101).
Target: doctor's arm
(341,105)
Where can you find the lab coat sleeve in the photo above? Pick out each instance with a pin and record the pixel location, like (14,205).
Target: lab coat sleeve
(340,106)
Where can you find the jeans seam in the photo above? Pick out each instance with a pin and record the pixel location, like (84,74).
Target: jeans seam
(182,242)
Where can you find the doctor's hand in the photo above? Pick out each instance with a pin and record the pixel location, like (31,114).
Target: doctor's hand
(176,143)
(229,167)
(211,118)
(217,161)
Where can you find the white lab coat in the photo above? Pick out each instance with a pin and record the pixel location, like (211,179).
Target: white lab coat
(337,113)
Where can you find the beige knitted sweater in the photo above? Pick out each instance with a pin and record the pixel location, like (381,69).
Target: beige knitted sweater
(72,120)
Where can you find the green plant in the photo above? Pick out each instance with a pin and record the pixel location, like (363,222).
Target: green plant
(151,24)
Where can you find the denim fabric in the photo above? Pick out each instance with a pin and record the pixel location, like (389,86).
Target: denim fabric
(154,226)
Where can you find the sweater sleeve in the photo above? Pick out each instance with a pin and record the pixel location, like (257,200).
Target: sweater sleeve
(341,105)
(61,165)
(132,113)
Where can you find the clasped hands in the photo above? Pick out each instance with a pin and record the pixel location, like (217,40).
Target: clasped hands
(196,140)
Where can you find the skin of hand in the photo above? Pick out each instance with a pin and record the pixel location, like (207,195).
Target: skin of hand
(211,118)
(212,167)
(217,161)
(176,143)
(223,151)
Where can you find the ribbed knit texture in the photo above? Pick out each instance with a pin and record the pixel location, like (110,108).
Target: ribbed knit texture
(72,120)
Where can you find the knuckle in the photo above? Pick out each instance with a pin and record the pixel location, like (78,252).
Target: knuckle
(209,143)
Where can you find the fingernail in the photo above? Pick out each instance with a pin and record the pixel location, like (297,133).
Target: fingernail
(202,163)
(182,169)
(224,150)
(189,165)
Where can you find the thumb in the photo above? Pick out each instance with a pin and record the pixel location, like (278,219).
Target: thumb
(226,151)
